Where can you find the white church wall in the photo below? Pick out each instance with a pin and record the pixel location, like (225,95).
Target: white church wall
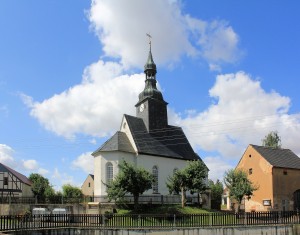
(165,166)
(100,162)
(124,128)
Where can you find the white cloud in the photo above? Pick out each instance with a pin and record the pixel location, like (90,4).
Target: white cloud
(30,165)
(121,28)
(216,40)
(85,162)
(242,113)
(217,167)
(93,107)
(43,171)
(6,155)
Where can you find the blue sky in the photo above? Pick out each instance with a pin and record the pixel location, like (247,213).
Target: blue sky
(69,70)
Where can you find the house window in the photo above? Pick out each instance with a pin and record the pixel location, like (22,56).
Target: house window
(250,155)
(5,181)
(250,171)
(89,185)
(285,172)
(109,172)
(155,183)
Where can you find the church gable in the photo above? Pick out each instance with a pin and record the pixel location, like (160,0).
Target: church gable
(118,142)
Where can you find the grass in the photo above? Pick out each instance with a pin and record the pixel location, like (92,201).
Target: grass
(163,209)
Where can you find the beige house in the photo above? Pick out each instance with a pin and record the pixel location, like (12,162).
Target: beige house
(13,184)
(277,173)
(87,187)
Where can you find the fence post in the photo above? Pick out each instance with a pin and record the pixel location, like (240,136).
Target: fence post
(174,223)
(279,217)
(245,218)
(103,220)
(139,221)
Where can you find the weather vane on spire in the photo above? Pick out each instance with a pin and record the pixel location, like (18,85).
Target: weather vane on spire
(149,36)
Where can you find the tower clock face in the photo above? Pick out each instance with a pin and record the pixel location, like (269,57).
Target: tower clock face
(142,107)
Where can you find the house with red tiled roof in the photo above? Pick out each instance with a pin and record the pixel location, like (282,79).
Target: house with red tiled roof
(13,183)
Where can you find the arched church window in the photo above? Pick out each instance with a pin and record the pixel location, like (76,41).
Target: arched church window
(155,175)
(109,172)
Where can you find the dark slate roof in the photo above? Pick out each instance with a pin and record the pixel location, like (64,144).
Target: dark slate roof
(278,157)
(169,142)
(21,177)
(118,142)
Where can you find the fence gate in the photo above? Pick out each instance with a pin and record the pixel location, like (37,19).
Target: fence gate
(297,200)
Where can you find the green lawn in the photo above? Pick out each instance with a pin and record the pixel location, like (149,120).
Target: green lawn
(164,209)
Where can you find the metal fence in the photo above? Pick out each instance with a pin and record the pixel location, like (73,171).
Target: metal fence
(143,199)
(146,221)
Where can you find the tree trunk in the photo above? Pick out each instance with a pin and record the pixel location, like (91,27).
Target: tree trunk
(136,201)
(182,197)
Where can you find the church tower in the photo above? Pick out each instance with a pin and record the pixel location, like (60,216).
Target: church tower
(151,106)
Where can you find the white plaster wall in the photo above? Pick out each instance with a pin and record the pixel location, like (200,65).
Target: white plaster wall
(165,166)
(100,162)
(124,128)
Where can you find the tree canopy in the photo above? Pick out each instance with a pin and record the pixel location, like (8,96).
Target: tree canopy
(40,186)
(130,179)
(239,186)
(191,178)
(272,140)
(216,194)
(71,193)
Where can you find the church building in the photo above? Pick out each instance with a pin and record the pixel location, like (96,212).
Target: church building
(146,140)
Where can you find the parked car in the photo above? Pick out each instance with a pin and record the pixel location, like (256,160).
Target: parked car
(41,214)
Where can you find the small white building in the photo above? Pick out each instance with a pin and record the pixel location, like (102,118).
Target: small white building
(146,140)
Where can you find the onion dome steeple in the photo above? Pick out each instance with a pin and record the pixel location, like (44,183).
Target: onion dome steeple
(151,106)
(150,71)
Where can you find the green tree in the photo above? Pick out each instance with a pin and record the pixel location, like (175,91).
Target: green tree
(71,193)
(191,178)
(130,179)
(216,194)
(239,186)
(50,194)
(272,140)
(40,186)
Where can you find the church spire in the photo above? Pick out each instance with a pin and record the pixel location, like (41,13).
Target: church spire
(150,71)
(151,106)
(150,66)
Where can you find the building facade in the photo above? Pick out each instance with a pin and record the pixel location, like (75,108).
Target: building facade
(13,184)
(87,187)
(276,172)
(145,140)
